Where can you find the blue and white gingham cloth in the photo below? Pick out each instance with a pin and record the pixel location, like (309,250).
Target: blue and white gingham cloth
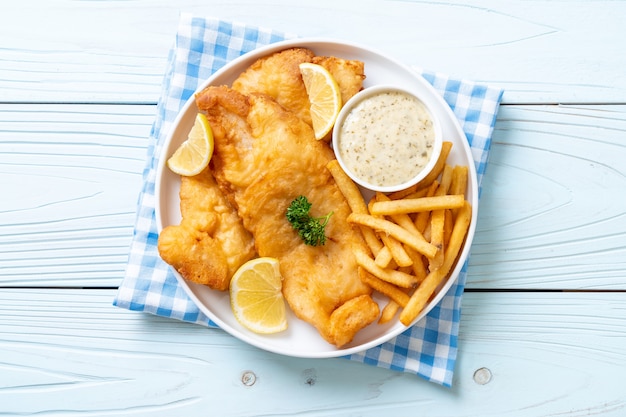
(203,45)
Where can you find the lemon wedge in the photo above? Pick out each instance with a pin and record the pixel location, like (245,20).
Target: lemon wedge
(194,154)
(324,96)
(256,297)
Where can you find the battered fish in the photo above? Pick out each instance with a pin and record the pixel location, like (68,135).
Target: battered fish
(278,76)
(210,243)
(265,156)
(349,74)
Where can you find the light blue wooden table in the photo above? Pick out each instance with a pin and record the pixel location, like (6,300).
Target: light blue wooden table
(543,329)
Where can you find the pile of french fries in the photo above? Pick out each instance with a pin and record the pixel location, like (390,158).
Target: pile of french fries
(414,236)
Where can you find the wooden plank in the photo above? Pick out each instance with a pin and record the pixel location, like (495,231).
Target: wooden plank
(539,353)
(552,213)
(109,51)
(70,176)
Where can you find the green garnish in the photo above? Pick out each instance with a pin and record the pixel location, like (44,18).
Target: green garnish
(310,229)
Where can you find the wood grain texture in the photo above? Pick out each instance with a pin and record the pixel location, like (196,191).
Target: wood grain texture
(553,213)
(70,176)
(540,52)
(94,359)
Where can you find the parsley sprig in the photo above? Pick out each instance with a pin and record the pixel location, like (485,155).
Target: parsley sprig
(310,229)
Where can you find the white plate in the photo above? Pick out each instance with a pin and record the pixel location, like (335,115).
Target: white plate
(301,339)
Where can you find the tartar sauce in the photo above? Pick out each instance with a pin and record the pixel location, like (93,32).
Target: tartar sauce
(387,138)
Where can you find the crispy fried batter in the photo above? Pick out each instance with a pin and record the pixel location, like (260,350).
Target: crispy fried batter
(210,243)
(278,76)
(265,156)
(352,316)
(349,74)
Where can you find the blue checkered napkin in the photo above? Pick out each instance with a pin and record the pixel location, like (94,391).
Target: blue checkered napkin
(203,45)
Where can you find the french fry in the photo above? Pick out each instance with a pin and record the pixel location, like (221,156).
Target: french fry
(446,180)
(392,229)
(417,194)
(372,241)
(347,187)
(447,227)
(403,220)
(459,180)
(403,193)
(369,205)
(437,219)
(414,205)
(356,202)
(392,276)
(384,287)
(391,247)
(397,250)
(405,269)
(426,233)
(422,294)
(384,257)
(437,223)
(441,161)
(422,218)
(418,267)
(389,312)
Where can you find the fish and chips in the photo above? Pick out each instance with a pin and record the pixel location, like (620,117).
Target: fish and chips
(402,245)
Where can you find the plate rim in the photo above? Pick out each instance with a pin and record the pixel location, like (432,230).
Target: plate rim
(312,43)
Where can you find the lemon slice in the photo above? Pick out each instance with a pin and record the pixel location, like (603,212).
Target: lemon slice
(195,153)
(256,297)
(324,95)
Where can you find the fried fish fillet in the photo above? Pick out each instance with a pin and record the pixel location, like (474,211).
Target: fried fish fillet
(210,243)
(265,156)
(278,76)
(349,74)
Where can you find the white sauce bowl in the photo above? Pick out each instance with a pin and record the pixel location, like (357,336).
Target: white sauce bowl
(376,151)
